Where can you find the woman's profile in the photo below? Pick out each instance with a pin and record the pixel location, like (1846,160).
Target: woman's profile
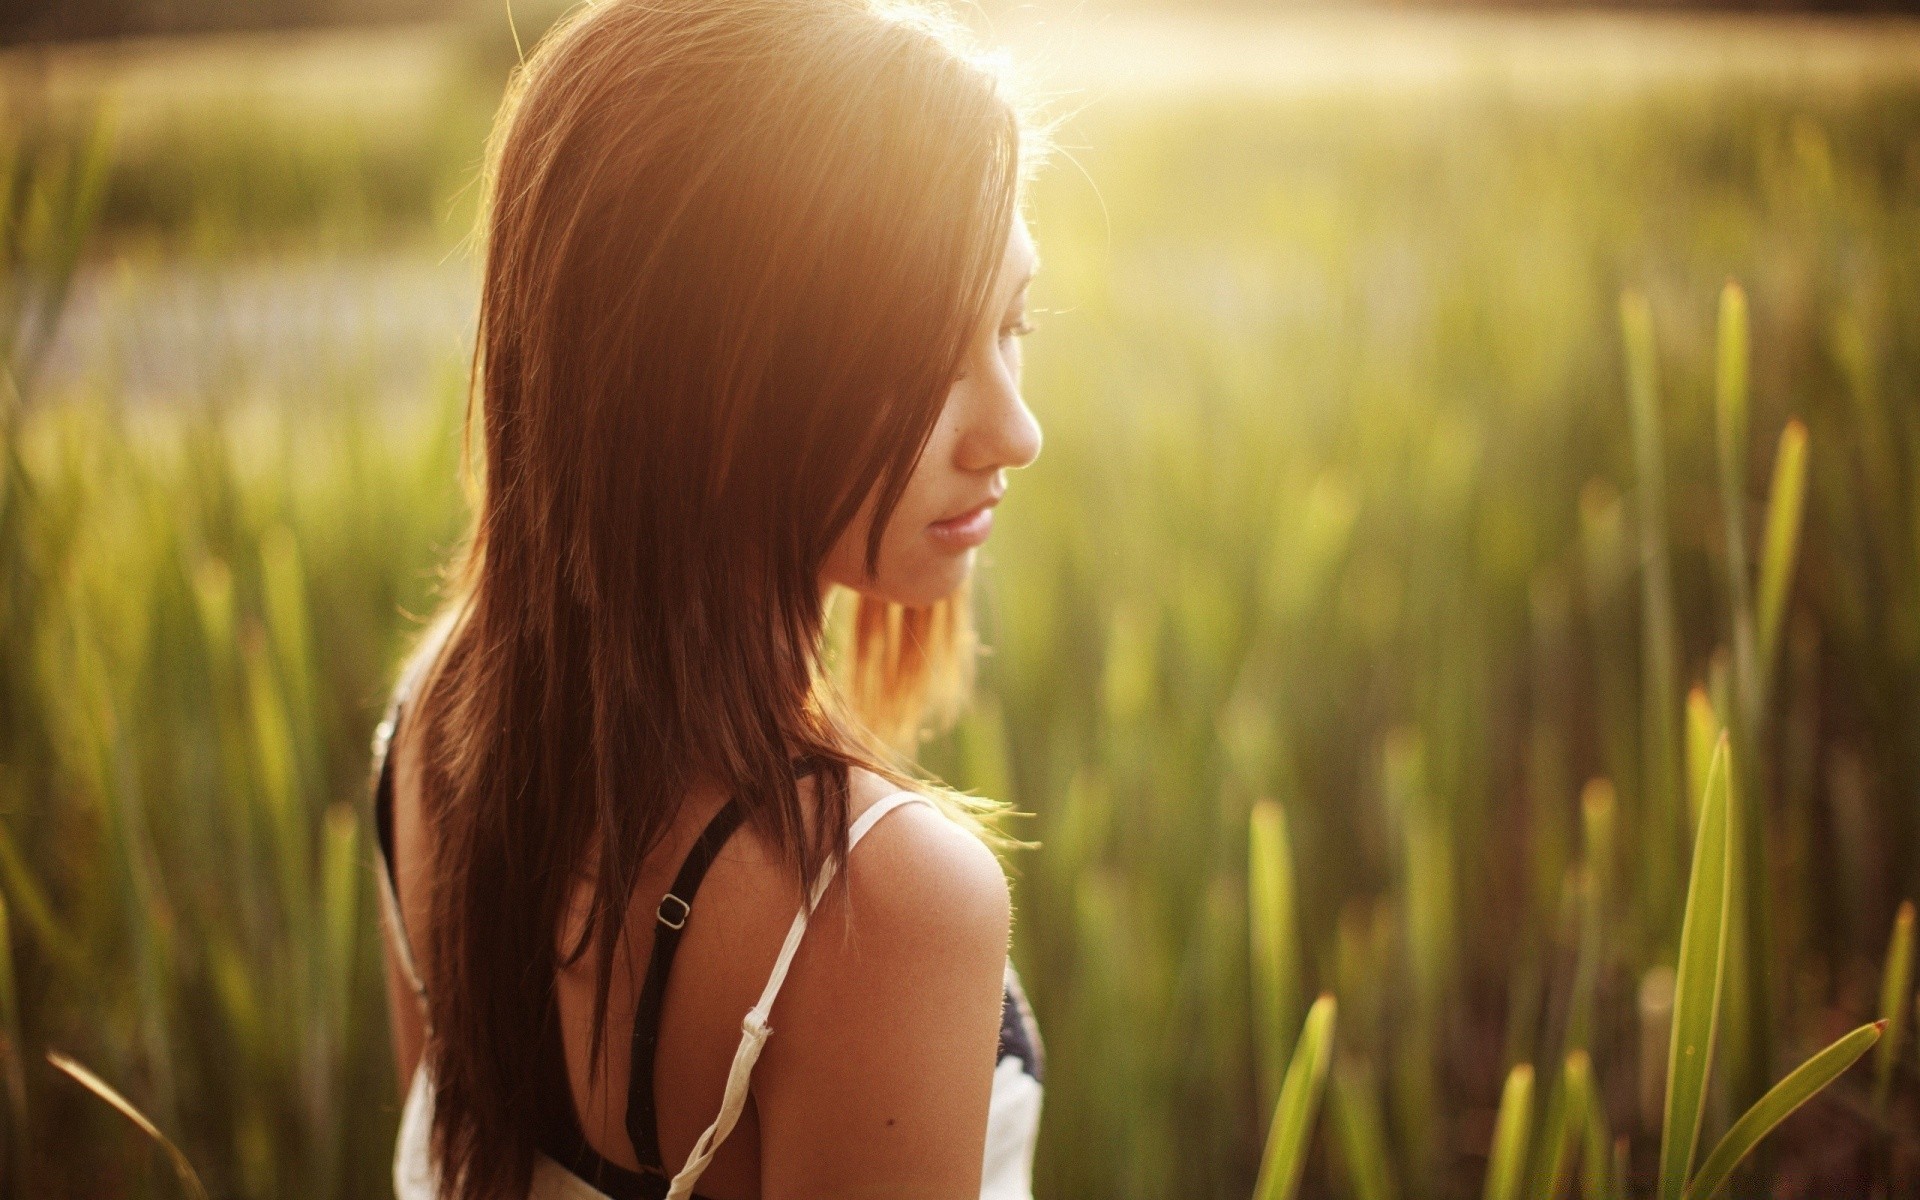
(667,911)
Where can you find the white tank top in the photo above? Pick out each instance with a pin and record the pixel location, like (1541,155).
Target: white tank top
(1013,1115)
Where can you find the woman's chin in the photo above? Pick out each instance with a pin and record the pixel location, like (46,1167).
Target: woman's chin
(931,583)
(948,577)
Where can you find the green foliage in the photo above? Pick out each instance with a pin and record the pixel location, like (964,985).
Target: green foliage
(1697,981)
(1790,1093)
(1564,1127)
(51,182)
(1362,1134)
(1785,503)
(1293,1117)
(182,1169)
(1507,1160)
(1276,965)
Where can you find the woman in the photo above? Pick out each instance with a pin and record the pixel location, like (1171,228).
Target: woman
(755,275)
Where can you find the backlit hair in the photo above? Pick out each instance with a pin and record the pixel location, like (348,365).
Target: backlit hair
(734,252)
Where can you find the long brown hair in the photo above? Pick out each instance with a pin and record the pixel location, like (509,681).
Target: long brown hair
(734,252)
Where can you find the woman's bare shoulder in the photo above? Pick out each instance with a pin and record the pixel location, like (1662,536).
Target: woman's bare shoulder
(916,875)
(919,886)
(919,863)
(915,852)
(921,898)
(880,1078)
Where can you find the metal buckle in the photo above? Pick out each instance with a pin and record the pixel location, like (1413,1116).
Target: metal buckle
(674,922)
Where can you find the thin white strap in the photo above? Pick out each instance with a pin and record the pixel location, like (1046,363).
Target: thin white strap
(403,945)
(754,1029)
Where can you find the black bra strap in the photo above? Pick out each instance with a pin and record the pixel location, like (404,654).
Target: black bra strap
(671,919)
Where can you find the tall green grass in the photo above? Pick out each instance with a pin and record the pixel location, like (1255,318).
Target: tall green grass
(1367,628)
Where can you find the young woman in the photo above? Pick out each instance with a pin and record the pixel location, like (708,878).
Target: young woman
(663,906)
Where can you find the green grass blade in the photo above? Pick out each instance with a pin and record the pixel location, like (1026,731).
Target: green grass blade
(1507,1159)
(1597,819)
(1660,782)
(340,883)
(276,761)
(1785,503)
(1596,1149)
(1730,380)
(1293,1117)
(1703,958)
(1703,730)
(1730,427)
(1774,1107)
(35,909)
(1430,882)
(1896,986)
(1598,805)
(1362,1134)
(1276,957)
(1563,1127)
(189,1179)
(284,587)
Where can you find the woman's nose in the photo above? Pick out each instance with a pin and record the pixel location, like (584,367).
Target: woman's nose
(1002,431)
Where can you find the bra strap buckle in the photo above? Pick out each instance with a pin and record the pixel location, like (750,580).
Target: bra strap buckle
(679,920)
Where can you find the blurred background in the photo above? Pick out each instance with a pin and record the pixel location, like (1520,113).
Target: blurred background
(1454,417)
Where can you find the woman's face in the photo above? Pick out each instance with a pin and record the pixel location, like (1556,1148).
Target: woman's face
(946,511)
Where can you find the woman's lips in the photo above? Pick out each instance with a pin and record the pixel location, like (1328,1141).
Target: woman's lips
(965,531)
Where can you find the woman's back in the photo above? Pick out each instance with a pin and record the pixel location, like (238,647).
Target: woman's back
(875,1083)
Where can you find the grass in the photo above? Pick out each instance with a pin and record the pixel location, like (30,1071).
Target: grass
(1366,629)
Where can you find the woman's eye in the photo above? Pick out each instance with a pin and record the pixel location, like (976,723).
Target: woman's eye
(1017,329)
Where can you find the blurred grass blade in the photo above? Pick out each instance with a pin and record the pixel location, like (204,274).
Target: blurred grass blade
(1507,1159)
(1564,1126)
(1659,693)
(1703,730)
(340,874)
(1896,986)
(189,1180)
(1774,1107)
(1730,377)
(1594,1137)
(1430,879)
(1597,804)
(1653,1005)
(1781,548)
(283,585)
(1730,426)
(1596,1148)
(61,193)
(18,881)
(1276,959)
(1361,1133)
(1703,958)
(1293,1117)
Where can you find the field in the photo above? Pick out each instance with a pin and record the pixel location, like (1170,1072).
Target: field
(1410,463)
